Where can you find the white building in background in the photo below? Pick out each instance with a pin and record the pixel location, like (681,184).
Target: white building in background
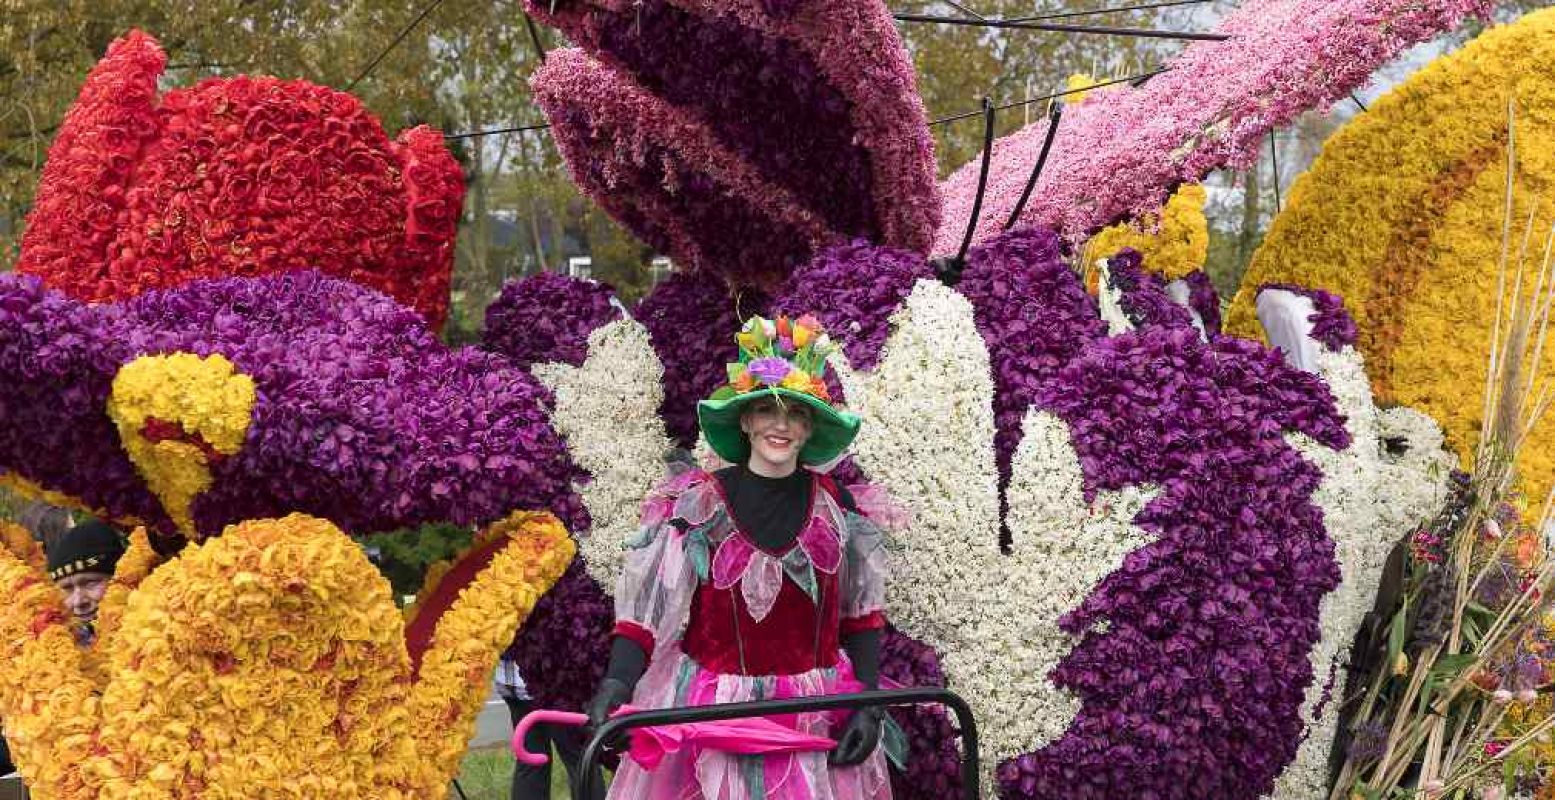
(580,267)
(660,268)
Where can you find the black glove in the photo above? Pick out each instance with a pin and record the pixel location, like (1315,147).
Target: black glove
(611,695)
(859,738)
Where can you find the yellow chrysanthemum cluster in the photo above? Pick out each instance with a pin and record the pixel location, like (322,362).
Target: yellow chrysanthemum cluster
(456,670)
(267,662)
(174,413)
(1402,216)
(1173,244)
(19,542)
(49,706)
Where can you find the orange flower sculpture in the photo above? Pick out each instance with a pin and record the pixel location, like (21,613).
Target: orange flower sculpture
(267,662)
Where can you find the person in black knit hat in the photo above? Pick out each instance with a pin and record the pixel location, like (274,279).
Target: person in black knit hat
(81,564)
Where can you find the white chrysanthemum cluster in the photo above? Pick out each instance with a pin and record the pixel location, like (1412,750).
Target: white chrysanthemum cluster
(1062,547)
(1370,500)
(928,438)
(608,411)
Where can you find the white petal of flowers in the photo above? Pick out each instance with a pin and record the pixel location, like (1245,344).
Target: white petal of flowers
(608,411)
(928,438)
(1369,501)
(1109,301)
(1061,548)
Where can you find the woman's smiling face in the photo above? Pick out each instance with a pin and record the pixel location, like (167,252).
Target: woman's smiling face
(777,430)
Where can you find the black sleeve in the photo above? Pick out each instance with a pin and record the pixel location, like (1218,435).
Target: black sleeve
(863,649)
(627,661)
(844,497)
(6,767)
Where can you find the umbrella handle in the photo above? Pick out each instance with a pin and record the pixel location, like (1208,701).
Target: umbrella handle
(539,717)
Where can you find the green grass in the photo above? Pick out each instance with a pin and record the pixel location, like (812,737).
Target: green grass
(487,774)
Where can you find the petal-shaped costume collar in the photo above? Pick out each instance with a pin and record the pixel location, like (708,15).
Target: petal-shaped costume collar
(738,559)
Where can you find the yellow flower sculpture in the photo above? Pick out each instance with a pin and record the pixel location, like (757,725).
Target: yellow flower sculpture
(267,662)
(176,415)
(1173,245)
(1402,216)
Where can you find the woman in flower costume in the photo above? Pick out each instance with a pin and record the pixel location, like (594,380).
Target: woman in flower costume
(763,580)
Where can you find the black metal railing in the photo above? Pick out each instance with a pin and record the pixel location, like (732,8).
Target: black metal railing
(617,727)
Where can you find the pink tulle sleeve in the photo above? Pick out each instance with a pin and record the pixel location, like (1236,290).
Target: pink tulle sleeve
(653,595)
(867,559)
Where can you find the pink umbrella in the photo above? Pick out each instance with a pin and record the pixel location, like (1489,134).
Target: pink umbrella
(752,736)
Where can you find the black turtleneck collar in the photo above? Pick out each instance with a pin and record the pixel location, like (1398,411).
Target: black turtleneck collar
(771,510)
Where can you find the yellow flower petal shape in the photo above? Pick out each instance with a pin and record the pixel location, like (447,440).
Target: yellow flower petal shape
(267,662)
(176,414)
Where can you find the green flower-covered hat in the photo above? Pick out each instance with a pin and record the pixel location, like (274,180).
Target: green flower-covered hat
(784,359)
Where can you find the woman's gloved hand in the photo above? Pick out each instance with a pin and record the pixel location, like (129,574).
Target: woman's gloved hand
(611,695)
(859,738)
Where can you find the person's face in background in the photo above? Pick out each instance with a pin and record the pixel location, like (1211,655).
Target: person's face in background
(83,593)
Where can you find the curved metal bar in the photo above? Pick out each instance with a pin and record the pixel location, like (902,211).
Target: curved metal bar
(618,727)
(1054,114)
(982,181)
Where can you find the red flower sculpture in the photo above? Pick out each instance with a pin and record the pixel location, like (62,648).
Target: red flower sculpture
(239,176)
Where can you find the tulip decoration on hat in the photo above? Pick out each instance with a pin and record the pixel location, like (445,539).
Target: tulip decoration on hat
(786,359)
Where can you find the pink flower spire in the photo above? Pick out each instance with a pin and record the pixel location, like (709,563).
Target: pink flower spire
(1121,151)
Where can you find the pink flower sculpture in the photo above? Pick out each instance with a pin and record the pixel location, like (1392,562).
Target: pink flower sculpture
(1122,151)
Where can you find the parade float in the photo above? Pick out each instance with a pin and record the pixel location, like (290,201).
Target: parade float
(1139,548)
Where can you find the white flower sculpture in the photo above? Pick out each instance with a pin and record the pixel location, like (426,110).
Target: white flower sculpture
(928,438)
(607,409)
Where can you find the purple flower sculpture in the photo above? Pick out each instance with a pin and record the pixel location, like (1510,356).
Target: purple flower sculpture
(1034,316)
(547,317)
(563,647)
(853,289)
(1193,687)
(361,417)
(1144,297)
(1204,300)
(797,124)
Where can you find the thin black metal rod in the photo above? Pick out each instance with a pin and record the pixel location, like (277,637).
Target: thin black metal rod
(1028,101)
(617,727)
(1357,101)
(206,65)
(1274,159)
(460,790)
(496,131)
(534,36)
(1108,10)
(963,9)
(982,180)
(400,38)
(1055,27)
(1054,114)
